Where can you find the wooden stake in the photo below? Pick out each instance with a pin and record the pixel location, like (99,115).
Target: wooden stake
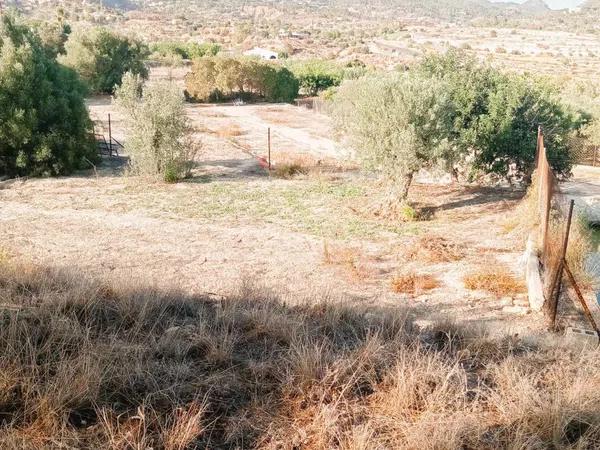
(269,142)
(109,136)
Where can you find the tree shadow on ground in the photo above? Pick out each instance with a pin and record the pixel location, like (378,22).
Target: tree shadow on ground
(470,197)
(129,363)
(234,169)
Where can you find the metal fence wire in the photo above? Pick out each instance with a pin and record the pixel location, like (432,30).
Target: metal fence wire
(555,218)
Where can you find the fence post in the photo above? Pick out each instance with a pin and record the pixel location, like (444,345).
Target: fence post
(537,149)
(269,143)
(581,298)
(556,282)
(109,136)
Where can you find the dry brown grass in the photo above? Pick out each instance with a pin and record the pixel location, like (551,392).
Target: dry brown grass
(94,365)
(351,259)
(230,131)
(434,249)
(495,279)
(578,250)
(416,284)
(289,170)
(290,164)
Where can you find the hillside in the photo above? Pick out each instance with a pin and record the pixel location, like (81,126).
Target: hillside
(443,9)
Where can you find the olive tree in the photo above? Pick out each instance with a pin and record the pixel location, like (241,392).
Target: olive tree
(159,132)
(45,128)
(398,124)
(102,57)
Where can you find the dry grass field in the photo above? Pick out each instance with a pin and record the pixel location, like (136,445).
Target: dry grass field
(90,364)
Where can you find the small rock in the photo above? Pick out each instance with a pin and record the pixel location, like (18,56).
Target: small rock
(516,310)
(506,301)
(423,324)
(524,302)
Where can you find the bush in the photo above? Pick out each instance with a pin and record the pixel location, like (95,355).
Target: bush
(189,50)
(53,36)
(316,75)
(496,116)
(102,58)
(218,79)
(44,124)
(159,140)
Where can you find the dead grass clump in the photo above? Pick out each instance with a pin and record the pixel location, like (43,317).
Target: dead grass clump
(525,217)
(289,164)
(495,279)
(391,209)
(435,249)
(578,250)
(349,258)
(416,284)
(90,365)
(230,131)
(289,170)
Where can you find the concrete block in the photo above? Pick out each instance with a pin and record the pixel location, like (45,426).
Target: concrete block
(535,287)
(516,310)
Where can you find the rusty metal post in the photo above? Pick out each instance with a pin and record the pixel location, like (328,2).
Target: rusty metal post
(109,137)
(584,305)
(537,148)
(269,143)
(553,298)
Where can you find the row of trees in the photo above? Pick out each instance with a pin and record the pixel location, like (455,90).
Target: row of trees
(189,50)
(223,78)
(318,75)
(454,112)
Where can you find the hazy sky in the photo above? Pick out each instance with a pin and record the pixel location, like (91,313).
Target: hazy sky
(556,4)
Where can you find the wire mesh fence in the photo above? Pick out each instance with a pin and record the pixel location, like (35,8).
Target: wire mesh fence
(585,154)
(556,231)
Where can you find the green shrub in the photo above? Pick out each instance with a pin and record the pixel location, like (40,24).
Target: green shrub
(218,79)
(44,124)
(102,58)
(188,50)
(316,75)
(496,116)
(159,132)
(53,36)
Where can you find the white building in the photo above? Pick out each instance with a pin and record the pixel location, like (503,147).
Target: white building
(261,53)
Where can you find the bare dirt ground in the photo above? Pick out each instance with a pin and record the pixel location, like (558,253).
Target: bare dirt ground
(176,235)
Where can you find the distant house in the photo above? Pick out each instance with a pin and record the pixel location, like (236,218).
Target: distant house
(261,53)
